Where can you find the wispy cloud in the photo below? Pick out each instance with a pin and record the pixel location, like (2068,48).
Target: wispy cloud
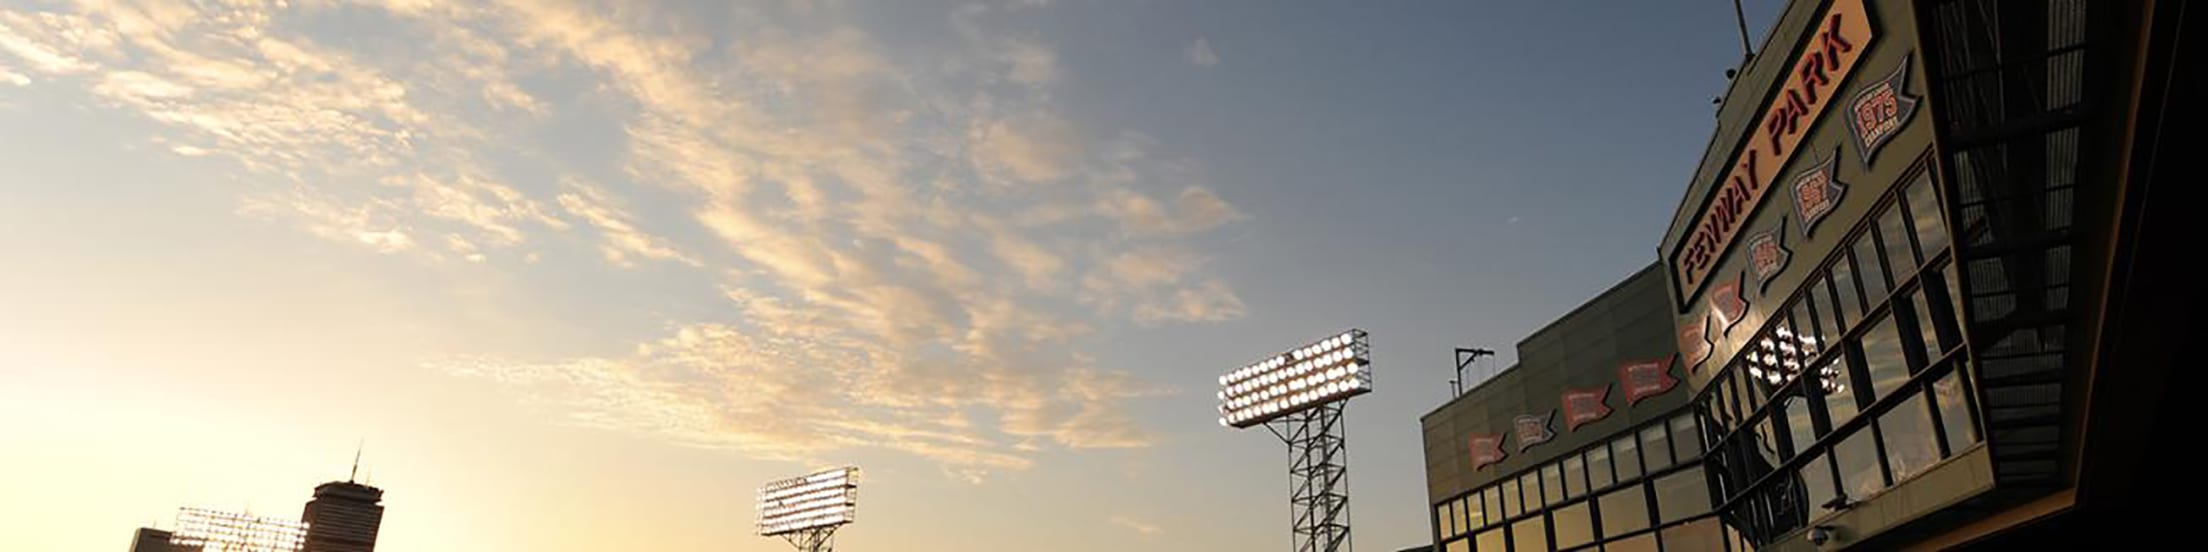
(1200,54)
(898,246)
(1140,527)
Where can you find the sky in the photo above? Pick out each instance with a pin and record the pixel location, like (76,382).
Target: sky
(582,274)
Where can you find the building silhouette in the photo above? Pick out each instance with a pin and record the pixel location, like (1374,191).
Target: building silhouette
(343,517)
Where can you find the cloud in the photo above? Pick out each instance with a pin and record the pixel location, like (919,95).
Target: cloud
(621,239)
(1200,54)
(1035,147)
(911,257)
(1143,528)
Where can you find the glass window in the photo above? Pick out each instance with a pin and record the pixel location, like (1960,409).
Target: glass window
(1682,495)
(1491,540)
(1807,335)
(1530,535)
(1628,457)
(1858,462)
(1955,416)
(1492,502)
(1838,391)
(1575,476)
(1530,483)
(1623,511)
(1700,535)
(1655,448)
(1752,388)
(1882,356)
(1847,306)
(1510,498)
(1598,467)
(1464,514)
(1686,438)
(1445,519)
(1552,484)
(1867,261)
(1643,543)
(1816,478)
(1573,525)
(1929,334)
(1910,444)
(1924,209)
(1893,230)
(1801,431)
(1766,440)
(1954,294)
(1721,404)
(1459,545)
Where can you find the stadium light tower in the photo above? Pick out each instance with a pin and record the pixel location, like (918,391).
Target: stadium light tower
(1298,395)
(807,510)
(204,530)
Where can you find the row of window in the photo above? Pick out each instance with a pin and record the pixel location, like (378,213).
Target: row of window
(1602,482)
(1675,504)
(1853,386)
(1796,339)
(1593,469)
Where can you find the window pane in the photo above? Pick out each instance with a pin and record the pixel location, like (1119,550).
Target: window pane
(1847,306)
(1529,535)
(1700,535)
(1623,511)
(1800,431)
(1492,540)
(1445,520)
(1475,513)
(1882,356)
(1837,389)
(1628,458)
(1858,462)
(1893,231)
(1530,483)
(1686,438)
(1682,495)
(1598,467)
(1575,476)
(1458,546)
(1867,261)
(1494,498)
(1573,526)
(1510,498)
(1655,448)
(1766,440)
(1930,335)
(1955,415)
(1807,332)
(1464,521)
(1924,208)
(1816,479)
(1552,484)
(1643,543)
(1721,405)
(1907,429)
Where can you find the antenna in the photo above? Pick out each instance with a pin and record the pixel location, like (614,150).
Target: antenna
(356,461)
(1741,17)
(1465,357)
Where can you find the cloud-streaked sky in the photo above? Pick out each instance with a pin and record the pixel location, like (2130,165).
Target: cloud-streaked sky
(582,274)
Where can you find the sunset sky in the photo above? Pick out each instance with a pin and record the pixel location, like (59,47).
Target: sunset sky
(582,274)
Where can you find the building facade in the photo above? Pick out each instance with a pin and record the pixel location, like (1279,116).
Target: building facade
(1588,442)
(1915,292)
(343,517)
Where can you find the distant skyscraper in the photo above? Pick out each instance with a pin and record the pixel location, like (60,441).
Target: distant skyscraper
(343,517)
(152,540)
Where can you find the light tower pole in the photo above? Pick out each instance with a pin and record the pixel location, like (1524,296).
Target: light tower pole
(1299,395)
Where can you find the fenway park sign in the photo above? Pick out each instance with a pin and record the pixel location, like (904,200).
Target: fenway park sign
(1837,40)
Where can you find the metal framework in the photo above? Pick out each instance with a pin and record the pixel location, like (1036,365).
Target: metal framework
(1318,478)
(817,539)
